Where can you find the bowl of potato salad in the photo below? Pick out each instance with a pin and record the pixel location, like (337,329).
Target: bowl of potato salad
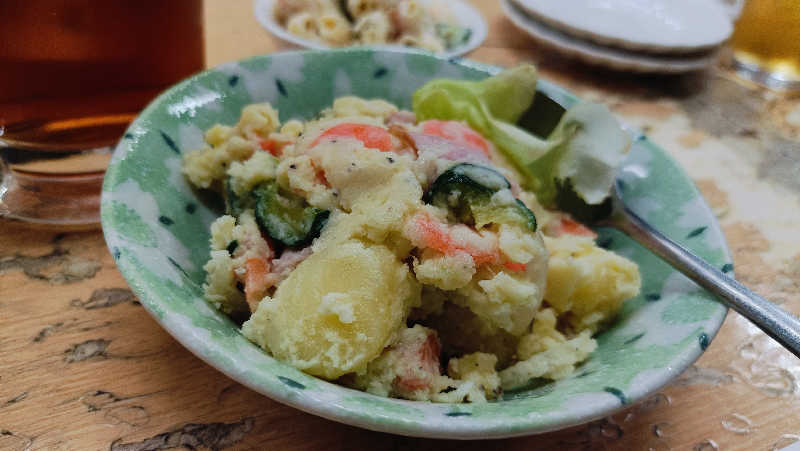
(374,237)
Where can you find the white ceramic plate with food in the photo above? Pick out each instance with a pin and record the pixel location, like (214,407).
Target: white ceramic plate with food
(462,13)
(594,53)
(662,26)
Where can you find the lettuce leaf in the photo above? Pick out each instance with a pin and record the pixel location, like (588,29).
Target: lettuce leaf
(582,152)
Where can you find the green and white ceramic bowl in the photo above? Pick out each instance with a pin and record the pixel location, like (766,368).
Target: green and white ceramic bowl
(156,227)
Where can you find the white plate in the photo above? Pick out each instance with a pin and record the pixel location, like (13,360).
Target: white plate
(593,53)
(465,14)
(663,26)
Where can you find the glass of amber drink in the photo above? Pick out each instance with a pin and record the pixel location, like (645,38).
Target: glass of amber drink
(766,43)
(73,74)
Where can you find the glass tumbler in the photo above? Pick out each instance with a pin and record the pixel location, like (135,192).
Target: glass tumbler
(766,43)
(73,74)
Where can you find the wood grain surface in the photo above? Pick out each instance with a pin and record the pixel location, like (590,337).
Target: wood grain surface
(84,367)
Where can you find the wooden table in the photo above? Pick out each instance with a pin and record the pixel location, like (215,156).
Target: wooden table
(83,366)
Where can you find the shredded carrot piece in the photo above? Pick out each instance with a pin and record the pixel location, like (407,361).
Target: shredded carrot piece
(423,357)
(270,146)
(255,284)
(437,238)
(514,266)
(572,227)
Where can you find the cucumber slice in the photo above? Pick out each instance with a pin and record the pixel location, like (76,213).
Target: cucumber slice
(466,191)
(286,217)
(476,179)
(516,213)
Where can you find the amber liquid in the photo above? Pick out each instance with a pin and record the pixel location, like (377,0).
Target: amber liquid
(74,73)
(767,35)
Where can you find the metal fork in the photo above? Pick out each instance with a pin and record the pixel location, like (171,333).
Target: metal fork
(775,322)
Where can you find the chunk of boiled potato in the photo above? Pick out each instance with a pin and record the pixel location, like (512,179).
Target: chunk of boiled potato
(337,310)
(589,282)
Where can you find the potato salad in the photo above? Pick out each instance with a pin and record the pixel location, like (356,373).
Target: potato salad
(415,254)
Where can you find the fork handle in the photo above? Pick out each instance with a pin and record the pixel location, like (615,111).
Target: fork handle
(775,322)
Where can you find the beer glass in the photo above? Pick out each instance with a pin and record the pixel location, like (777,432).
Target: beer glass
(73,74)
(766,43)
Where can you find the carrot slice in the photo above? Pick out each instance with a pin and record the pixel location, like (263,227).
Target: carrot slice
(371,136)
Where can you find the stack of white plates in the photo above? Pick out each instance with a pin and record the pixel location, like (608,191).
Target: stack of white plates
(665,36)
